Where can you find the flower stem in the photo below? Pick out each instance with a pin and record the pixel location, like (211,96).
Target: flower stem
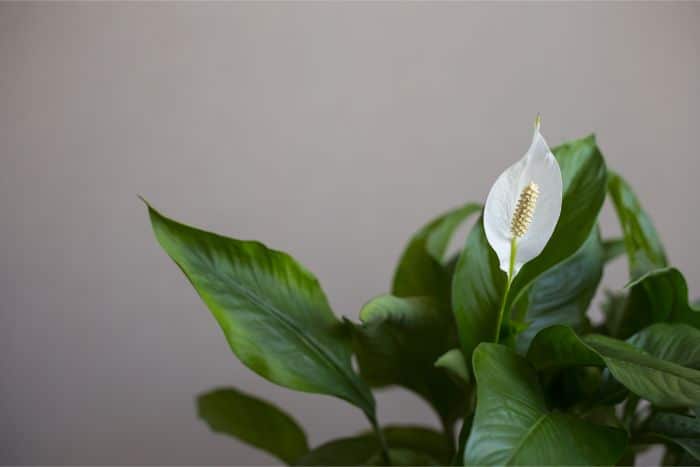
(382,440)
(509,281)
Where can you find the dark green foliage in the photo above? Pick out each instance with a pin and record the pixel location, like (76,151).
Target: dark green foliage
(229,411)
(556,390)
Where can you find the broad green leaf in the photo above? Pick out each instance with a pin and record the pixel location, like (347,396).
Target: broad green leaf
(559,347)
(253,421)
(662,382)
(478,284)
(272,310)
(677,343)
(364,448)
(477,288)
(563,294)
(661,295)
(644,248)
(678,429)
(453,362)
(422,270)
(398,343)
(513,425)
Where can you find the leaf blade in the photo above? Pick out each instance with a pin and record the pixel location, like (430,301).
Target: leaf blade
(644,248)
(662,382)
(513,426)
(397,344)
(421,270)
(269,308)
(254,421)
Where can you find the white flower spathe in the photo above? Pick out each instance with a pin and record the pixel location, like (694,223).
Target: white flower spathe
(537,169)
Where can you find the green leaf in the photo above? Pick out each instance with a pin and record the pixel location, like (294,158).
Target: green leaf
(398,343)
(423,444)
(559,347)
(661,295)
(513,426)
(477,288)
(272,311)
(644,248)
(253,421)
(678,429)
(419,439)
(563,294)
(677,343)
(478,284)
(422,270)
(662,382)
(453,362)
(356,450)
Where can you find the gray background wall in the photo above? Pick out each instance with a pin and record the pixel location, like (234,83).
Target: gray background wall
(329,130)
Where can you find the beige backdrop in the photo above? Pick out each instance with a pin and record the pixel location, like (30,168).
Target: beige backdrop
(329,130)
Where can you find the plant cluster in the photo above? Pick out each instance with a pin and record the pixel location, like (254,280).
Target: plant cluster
(505,354)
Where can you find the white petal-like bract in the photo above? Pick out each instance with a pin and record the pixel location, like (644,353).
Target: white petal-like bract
(537,166)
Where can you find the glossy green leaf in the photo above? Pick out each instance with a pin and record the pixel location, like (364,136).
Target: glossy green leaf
(661,295)
(513,425)
(478,284)
(272,311)
(253,421)
(559,347)
(663,382)
(453,362)
(423,444)
(677,343)
(563,294)
(477,288)
(398,343)
(678,429)
(644,249)
(422,270)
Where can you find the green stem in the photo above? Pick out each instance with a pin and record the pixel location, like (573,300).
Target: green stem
(509,281)
(382,440)
(629,412)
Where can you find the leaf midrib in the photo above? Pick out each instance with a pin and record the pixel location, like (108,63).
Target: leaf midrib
(307,340)
(529,433)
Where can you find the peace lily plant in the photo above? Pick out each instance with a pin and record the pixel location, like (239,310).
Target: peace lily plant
(497,338)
